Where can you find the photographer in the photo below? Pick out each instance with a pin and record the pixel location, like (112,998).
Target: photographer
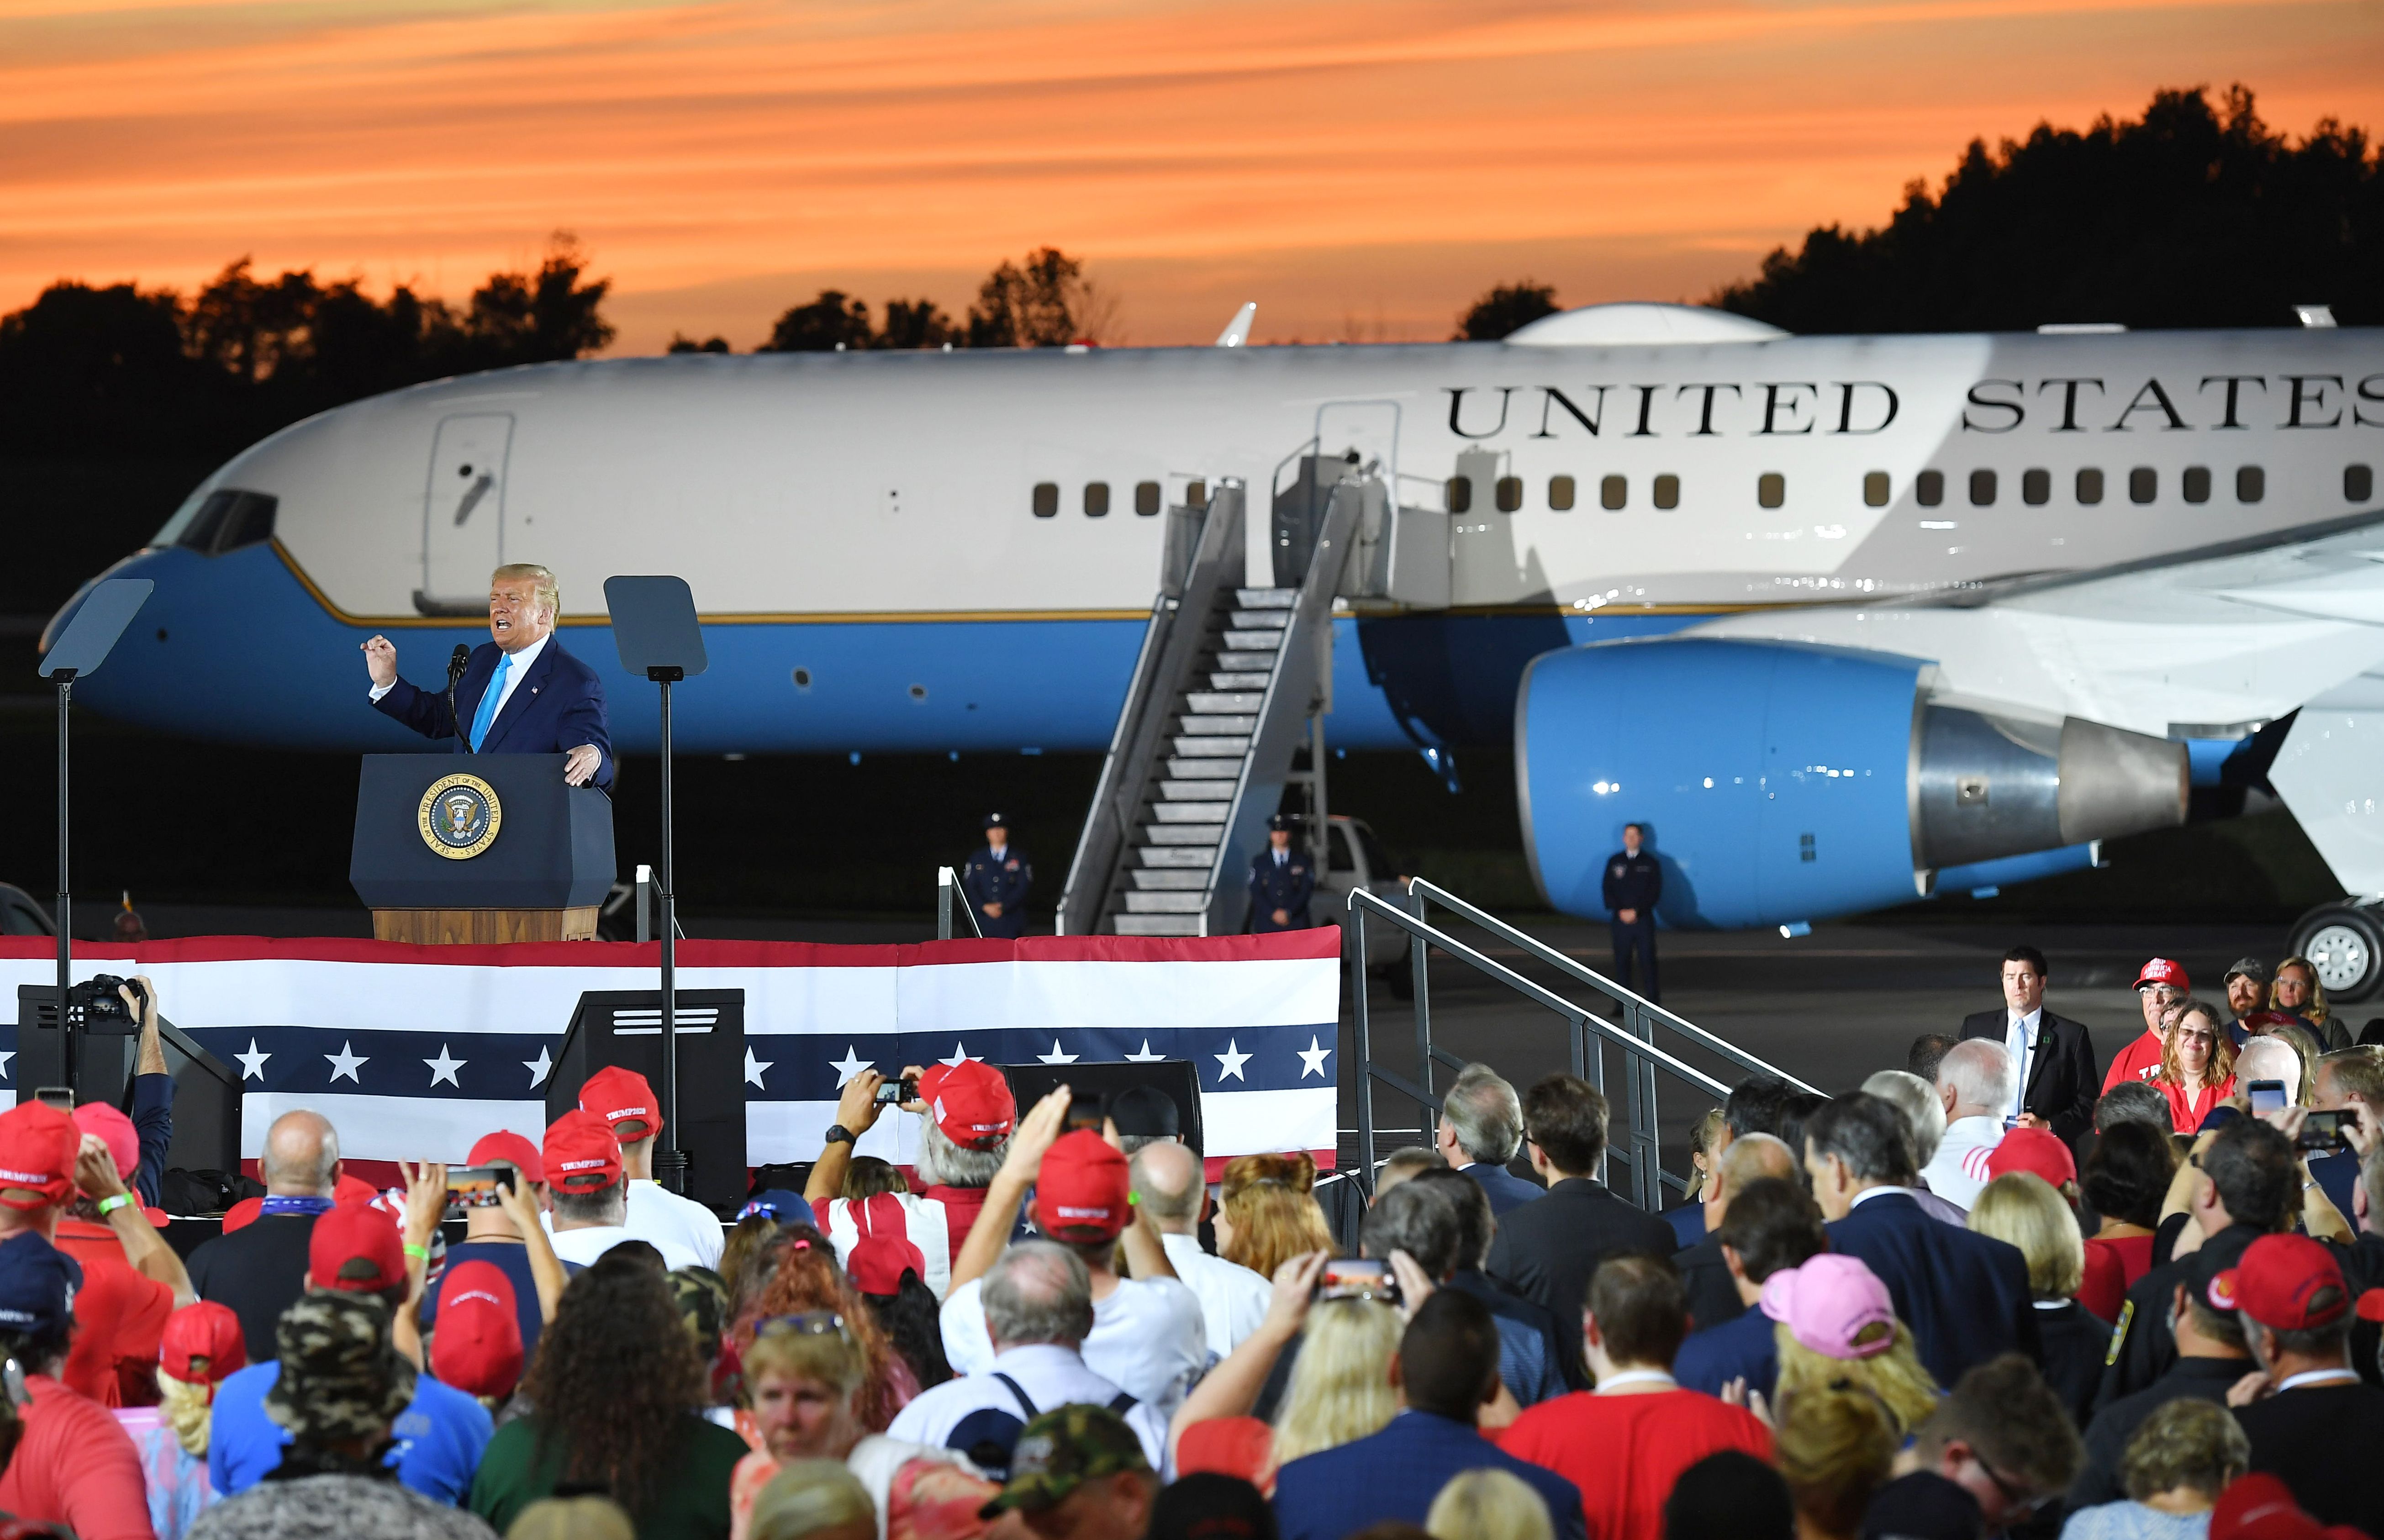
(506,1233)
(922,1222)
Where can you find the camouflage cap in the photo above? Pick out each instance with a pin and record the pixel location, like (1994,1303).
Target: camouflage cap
(340,1378)
(1060,1451)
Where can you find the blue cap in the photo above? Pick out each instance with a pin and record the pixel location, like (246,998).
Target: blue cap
(37,1286)
(777,1203)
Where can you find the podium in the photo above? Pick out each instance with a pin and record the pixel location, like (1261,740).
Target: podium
(478,848)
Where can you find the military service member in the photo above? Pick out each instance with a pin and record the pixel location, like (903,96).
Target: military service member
(1282,881)
(996,880)
(1634,884)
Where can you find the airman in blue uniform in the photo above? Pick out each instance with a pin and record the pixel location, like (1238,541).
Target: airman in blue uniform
(1282,881)
(996,880)
(1634,884)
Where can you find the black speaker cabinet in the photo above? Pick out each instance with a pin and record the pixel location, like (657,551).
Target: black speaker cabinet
(625,1027)
(1089,1083)
(207,1090)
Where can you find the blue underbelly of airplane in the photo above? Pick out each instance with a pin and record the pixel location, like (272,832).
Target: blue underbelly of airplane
(236,648)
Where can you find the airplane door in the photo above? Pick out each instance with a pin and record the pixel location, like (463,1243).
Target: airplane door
(1370,428)
(462,520)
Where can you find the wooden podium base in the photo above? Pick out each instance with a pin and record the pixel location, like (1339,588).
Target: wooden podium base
(467,927)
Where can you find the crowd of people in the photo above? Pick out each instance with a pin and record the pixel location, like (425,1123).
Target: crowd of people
(2005,1288)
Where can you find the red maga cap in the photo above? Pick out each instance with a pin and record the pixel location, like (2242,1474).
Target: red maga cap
(2034,1150)
(2288,1283)
(477,1345)
(2161,970)
(971,1102)
(624,1101)
(876,1263)
(581,1155)
(38,1145)
(355,1248)
(1083,1191)
(512,1150)
(202,1343)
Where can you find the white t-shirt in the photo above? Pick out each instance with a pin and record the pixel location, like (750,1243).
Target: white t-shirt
(1233,1298)
(1149,1339)
(925,1225)
(1957,1173)
(585,1245)
(657,1215)
(1051,1376)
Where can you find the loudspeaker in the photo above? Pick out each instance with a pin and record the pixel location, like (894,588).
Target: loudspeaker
(625,1027)
(1089,1083)
(207,1090)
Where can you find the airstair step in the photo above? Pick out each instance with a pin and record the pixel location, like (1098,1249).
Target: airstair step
(1157,925)
(1210,813)
(1216,724)
(1241,640)
(1207,770)
(1266,599)
(1174,858)
(1254,662)
(1259,620)
(1204,835)
(1190,879)
(1214,746)
(1166,903)
(1211,788)
(1209,701)
(1254,679)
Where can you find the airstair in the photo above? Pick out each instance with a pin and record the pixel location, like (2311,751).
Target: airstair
(1223,696)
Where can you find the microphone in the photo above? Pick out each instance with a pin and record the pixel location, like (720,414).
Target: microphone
(457,662)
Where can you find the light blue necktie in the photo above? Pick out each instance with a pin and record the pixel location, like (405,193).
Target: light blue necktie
(487,712)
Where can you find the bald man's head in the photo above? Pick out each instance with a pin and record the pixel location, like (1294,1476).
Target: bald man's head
(302,1156)
(1168,1185)
(1747,1159)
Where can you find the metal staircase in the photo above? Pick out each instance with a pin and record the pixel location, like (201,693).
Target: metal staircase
(1222,692)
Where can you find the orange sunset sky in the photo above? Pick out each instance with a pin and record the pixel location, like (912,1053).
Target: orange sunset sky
(1361,170)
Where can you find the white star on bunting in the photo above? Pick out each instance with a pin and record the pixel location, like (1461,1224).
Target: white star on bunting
(847,1067)
(959,1055)
(252,1064)
(346,1062)
(1231,1062)
(1056,1056)
(754,1067)
(1311,1059)
(4,1062)
(444,1068)
(1146,1056)
(539,1067)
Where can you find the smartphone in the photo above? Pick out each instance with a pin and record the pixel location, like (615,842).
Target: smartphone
(2324,1131)
(59,1097)
(1088,1111)
(1352,1279)
(893,1093)
(476,1186)
(2267,1096)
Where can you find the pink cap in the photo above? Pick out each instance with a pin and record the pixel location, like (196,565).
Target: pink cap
(114,1130)
(1833,1305)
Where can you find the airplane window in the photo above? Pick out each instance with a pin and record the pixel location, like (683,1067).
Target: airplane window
(2197,483)
(1047,499)
(1460,495)
(1613,492)
(1560,493)
(1097,500)
(1668,492)
(1511,493)
(1982,488)
(2036,488)
(2358,483)
(1146,497)
(1771,488)
(1875,489)
(230,519)
(2250,484)
(1197,495)
(2089,487)
(1928,488)
(2143,484)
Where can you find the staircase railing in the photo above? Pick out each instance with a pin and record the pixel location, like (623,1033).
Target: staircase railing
(1588,1034)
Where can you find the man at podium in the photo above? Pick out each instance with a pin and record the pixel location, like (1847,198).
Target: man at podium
(521,693)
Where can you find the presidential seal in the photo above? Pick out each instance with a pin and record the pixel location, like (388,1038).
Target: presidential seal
(459,816)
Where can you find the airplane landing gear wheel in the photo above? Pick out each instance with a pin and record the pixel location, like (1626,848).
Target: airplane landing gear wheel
(2345,943)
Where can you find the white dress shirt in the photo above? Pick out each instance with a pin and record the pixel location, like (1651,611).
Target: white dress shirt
(2019,1036)
(522,660)
(1149,1338)
(1957,1173)
(589,1242)
(657,1215)
(1233,1298)
(1051,1376)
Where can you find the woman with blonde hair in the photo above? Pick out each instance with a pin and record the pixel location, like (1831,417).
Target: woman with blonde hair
(1701,1154)
(807,1279)
(2197,1063)
(2022,1209)
(1837,1330)
(2297,991)
(1266,1213)
(200,1346)
(1488,1505)
(1340,1388)
(1835,1449)
(2186,1453)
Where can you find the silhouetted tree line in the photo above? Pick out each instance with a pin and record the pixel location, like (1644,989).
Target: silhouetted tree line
(2195,215)
(1506,308)
(1043,302)
(123,370)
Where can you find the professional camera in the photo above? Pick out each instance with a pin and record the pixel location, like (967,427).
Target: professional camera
(102,1008)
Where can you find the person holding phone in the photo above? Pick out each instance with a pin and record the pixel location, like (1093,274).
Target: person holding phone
(508,1233)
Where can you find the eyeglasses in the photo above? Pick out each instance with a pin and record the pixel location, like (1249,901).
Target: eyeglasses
(801,1324)
(2016,1501)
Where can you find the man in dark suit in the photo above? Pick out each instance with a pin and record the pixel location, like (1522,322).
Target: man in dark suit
(1446,1370)
(2059,1078)
(1633,886)
(1547,1252)
(521,693)
(1705,1272)
(1481,1127)
(1964,1295)
(260,1268)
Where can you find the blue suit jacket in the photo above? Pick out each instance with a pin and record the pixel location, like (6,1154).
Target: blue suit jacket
(1744,1347)
(1964,1295)
(1507,1190)
(558,706)
(1396,1473)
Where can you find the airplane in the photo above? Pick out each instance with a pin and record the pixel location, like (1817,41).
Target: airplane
(1845,620)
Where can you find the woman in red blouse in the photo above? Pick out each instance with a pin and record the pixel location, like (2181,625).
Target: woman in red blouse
(2197,1068)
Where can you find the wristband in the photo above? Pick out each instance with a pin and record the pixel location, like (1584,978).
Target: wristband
(109,1205)
(420,1253)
